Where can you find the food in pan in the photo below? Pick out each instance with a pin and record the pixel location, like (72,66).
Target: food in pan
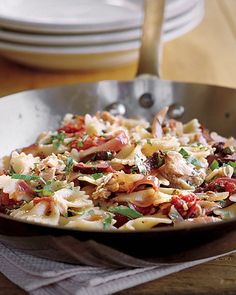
(106,172)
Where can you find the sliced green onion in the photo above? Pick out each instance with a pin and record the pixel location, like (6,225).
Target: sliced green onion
(96,176)
(27,177)
(184,153)
(214,165)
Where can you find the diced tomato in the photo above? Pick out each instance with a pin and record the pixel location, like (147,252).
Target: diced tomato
(223,184)
(185,204)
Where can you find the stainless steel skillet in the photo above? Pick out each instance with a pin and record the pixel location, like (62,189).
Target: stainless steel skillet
(24,115)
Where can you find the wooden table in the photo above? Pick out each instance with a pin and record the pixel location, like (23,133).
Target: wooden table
(206,55)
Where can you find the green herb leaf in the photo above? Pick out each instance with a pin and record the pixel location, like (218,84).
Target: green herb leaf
(227,151)
(47,189)
(97,175)
(66,215)
(184,153)
(81,142)
(27,177)
(134,170)
(196,162)
(160,160)
(140,164)
(126,211)
(91,212)
(81,212)
(149,141)
(214,165)
(69,165)
(58,139)
(233,164)
(107,221)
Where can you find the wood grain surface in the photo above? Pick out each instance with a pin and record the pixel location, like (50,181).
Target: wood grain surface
(205,55)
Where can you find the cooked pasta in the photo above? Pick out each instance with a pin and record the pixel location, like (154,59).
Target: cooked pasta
(106,172)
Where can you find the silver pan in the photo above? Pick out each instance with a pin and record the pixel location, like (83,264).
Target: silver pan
(25,114)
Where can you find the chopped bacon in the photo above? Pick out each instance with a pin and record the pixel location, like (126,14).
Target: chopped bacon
(89,142)
(206,133)
(77,127)
(93,168)
(120,220)
(31,149)
(150,180)
(37,200)
(24,187)
(7,203)
(115,144)
(144,210)
(4,199)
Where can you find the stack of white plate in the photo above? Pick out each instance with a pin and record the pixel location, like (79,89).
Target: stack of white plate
(84,34)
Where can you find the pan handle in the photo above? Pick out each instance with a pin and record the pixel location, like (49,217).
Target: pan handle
(150,51)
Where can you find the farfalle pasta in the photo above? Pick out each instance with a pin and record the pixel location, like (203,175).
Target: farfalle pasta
(105,172)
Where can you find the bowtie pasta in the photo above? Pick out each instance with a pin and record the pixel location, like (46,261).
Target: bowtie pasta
(106,172)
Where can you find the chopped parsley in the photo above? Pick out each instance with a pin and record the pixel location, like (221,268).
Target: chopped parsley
(184,153)
(58,139)
(107,221)
(81,142)
(46,190)
(69,165)
(91,212)
(214,165)
(126,211)
(196,162)
(227,151)
(27,177)
(190,159)
(96,176)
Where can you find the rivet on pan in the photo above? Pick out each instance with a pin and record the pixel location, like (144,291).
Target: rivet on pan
(175,111)
(146,100)
(116,109)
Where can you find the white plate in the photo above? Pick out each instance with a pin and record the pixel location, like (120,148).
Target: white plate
(183,29)
(174,8)
(72,58)
(78,62)
(116,47)
(193,13)
(60,16)
(82,39)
